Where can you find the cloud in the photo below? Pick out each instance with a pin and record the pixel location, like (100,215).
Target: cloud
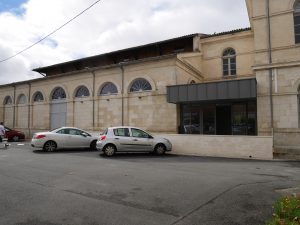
(108,26)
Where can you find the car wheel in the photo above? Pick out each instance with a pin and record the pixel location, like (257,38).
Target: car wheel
(50,146)
(160,149)
(109,150)
(15,138)
(93,145)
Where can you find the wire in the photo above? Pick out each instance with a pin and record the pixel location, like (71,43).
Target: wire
(25,49)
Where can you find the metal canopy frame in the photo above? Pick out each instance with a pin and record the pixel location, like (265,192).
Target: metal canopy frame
(212,91)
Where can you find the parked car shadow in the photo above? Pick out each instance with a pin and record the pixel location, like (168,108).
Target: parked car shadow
(136,155)
(40,151)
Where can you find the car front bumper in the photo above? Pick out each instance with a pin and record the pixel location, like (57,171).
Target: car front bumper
(99,145)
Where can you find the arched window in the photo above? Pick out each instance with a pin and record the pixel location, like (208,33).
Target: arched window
(7,100)
(22,99)
(58,93)
(229,62)
(140,84)
(108,89)
(82,91)
(192,82)
(38,97)
(297,21)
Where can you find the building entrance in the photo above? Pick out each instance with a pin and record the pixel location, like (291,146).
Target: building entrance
(223,119)
(235,118)
(58,114)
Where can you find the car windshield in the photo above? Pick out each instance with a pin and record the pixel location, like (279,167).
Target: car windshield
(7,129)
(55,130)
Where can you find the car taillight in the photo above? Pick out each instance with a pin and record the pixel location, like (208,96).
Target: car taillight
(103,137)
(40,136)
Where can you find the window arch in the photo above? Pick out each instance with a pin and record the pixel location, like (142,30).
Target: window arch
(22,99)
(297,21)
(139,85)
(58,93)
(7,100)
(229,62)
(82,91)
(108,89)
(38,97)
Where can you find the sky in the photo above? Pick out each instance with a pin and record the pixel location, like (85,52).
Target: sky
(108,26)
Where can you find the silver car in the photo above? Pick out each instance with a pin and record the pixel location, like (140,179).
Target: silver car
(63,138)
(131,139)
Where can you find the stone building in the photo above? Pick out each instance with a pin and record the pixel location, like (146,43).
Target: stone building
(241,82)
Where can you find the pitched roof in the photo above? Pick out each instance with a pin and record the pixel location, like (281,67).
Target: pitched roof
(226,32)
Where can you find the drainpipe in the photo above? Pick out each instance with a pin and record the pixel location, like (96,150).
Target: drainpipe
(270,62)
(93,94)
(122,93)
(14,108)
(29,105)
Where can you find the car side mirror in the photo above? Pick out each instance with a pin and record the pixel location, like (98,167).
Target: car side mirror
(150,137)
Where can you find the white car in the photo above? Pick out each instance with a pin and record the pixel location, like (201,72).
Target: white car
(63,138)
(131,139)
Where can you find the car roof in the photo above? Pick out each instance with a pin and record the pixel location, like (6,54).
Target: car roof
(68,128)
(124,127)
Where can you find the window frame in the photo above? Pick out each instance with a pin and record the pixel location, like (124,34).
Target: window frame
(85,92)
(55,91)
(22,99)
(140,87)
(144,133)
(38,93)
(117,134)
(296,17)
(229,62)
(7,100)
(109,85)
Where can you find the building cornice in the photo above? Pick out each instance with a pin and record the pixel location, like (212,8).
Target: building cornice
(272,15)
(276,65)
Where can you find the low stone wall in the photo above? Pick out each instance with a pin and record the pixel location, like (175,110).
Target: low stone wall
(255,147)
(287,138)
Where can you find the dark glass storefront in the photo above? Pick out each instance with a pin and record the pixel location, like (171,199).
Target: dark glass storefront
(235,118)
(217,108)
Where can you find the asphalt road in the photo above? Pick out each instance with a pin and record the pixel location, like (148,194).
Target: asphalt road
(82,187)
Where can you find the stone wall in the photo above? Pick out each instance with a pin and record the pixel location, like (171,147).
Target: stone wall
(250,147)
(148,110)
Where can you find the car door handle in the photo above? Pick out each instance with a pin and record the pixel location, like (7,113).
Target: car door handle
(117,138)
(135,139)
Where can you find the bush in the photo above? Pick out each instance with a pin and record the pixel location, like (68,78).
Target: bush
(286,212)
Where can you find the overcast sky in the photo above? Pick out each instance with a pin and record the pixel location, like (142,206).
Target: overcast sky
(108,26)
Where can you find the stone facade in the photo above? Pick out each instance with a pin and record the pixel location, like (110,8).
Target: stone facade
(275,62)
(277,65)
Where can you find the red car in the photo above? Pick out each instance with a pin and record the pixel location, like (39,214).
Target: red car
(14,135)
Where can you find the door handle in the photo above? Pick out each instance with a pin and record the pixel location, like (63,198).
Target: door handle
(135,139)
(117,138)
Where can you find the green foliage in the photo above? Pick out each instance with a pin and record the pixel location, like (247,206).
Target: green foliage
(286,212)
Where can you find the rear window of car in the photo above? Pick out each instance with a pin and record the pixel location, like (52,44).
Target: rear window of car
(123,132)
(104,132)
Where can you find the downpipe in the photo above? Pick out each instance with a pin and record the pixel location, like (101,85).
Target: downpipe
(270,70)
